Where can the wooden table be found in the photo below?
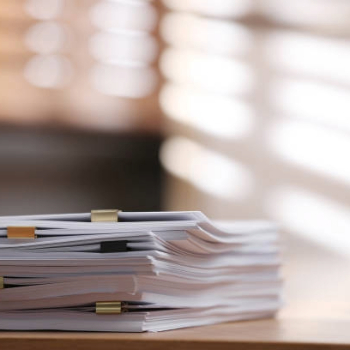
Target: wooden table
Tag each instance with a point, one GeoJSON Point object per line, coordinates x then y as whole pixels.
{"type": "Point", "coordinates": [265, 334]}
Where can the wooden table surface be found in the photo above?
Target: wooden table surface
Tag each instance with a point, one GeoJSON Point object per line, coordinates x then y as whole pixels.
{"type": "Point", "coordinates": [263, 334]}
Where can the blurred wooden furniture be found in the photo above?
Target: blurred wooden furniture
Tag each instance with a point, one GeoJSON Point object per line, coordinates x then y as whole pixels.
{"type": "Point", "coordinates": [52, 169]}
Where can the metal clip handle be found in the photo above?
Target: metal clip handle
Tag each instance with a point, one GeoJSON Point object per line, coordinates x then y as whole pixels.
{"type": "Point", "coordinates": [108, 307]}
{"type": "Point", "coordinates": [110, 215]}
{"type": "Point", "coordinates": [21, 232]}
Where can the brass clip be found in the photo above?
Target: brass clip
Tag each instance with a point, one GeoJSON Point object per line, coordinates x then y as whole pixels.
{"type": "Point", "coordinates": [108, 307]}
{"type": "Point", "coordinates": [104, 215]}
{"type": "Point", "coordinates": [21, 232]}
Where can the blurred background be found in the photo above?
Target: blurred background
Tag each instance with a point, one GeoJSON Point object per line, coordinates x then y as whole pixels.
{"type": "Point", "coordinates": [238, 108]}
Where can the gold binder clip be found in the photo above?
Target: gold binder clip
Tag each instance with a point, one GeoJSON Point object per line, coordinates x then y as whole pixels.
{"type": "Point", "coordinates": [2, 283]}
{"type": "Point", "coordinates": [108, 307]}
{"type": "Point", "coordinates": [21, 232]}
{"type": "Point", "coordinates": [104, 215]}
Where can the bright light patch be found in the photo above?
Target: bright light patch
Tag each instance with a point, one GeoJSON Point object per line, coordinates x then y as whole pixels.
{"type": "Point", "coordinates": [128, 15]}
{"type": "Point", "coordinates": [218, 8]}
{"type": "Point", "coordinates": [213, 73]}
{"type": "Point", "coordinates": [123, 48]}
{"type": "Point", "coordinates": [45, 37]}
{"type": "Point", "coordinates": [312, 216]}
{"type": "Point", "coordinates": [123, 81]}
{"type": "Point", "coordinates": [44, 9]}
{"type": "Point", "coordinates": [216, 115]}
{"type": "Point", "coordinates": [209, 171]}
{"type": "Point", "coordinates": [319, 103]}
{"type": "Point", "coordinates": [312, 56]}
{"type": "Point", "coordinates": [318, 149]}
{"type": "Point", "coordinates": [312, 13]}
{"type": "Point", "coordinates": [48, 71]}
{"type": "Point", "coordinates": [213, 35]}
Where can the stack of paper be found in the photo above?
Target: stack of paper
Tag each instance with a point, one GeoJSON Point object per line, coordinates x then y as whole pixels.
{"type": "Point", "coordinates": [133, 272]}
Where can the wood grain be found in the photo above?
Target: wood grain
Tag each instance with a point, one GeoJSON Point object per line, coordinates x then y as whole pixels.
{"type": "Point", "coordinates": [266, 334]}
